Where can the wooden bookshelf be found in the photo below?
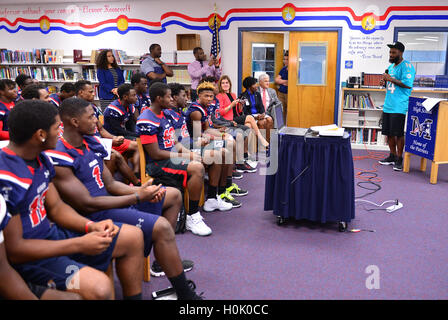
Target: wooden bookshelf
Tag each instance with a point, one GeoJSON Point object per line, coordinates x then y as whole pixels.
{"type": "Point", "coordinates": [374, 113]}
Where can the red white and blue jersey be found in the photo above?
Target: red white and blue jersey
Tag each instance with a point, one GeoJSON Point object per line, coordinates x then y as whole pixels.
{"type": "Point", "coordinates": [179, 123]}
{"type": "Point", "coordinates": [86, 163]}
{"type": "Point", "coordinates": [116, 110]}
{"type": "Point", "coordinates": [155, 128]}
{"type": "Point", "coordinates": [5, 108]}
{"type": "Point", "coordinates": [24, 189]}
{"type": "Point", "coordinates": [54, 99]}
{"type": "Point", "coordinates": [19, 95]}
{"type": "Point", "coordinates": [213, 109]}
{"type": "Point", "coordinates": [143, 102]}
{"type": "Point", "coordinates": [4, 216]}
{"type": "Point", "coordinates": [195, 106]}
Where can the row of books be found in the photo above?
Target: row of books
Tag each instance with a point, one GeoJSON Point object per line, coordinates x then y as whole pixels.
{"type": "Point", "coordinates": [40, 73]}
{"type": "Point", "coordinates": [370, 80]}
{"type": "Point", "coordinates": [34, 56]}
{"type": "Point", "coordinates": [128, 73]}
{"type": "Point", "coordinates": [89, 74]}
{"type": "Point", "coordinates": [440, 81]}
{"type": "Point", "coordinates": [351, 118]}
{"type": "Point", "coordinates": [359, 101]}
{"type": "Point", "coordinates": [366, 136]}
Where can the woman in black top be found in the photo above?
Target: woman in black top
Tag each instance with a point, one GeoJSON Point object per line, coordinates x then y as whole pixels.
{"type": "Point", "coordinates": [254, 106]}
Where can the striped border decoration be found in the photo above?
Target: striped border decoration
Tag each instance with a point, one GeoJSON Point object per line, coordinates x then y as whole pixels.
{"type": "Point", "coordinates": [288, 14]}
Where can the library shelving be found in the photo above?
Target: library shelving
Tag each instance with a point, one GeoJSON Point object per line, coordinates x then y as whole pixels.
{"type": "Point", "coordinates": [361, 111]}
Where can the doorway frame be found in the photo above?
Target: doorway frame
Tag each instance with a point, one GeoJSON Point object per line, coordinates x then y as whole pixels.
{"type": "Point", "coordinates": [338, 55]}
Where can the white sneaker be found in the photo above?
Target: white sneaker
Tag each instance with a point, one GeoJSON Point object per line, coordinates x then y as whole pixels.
{"type": "Point", "coordinates": [196, 225]}
{"type": "Point", "coordinates": [252, 163]}
{"type": "Point", "coordinates": [217, 203]}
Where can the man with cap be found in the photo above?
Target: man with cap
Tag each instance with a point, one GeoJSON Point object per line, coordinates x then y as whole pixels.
{"type": "Point", "coordinates": [398, 78]}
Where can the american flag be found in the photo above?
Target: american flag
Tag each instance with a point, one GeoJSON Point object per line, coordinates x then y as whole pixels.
{"type": "Point", "coordinates": [216, 47]}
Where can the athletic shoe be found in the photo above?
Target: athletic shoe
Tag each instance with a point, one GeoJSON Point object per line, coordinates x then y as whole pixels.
{"type": "Point", "coordinates": [252, 163]}
{"type": "Point", "coordinates": [156, 269]}
{"type": "Point", "coordinates": [217, 203]}
{"type": "Point", "coordinates": [236, 191]}
{"type": "Point", "coordinates": [237, 175]}
{"type": "Point", "coordinates": [244, 167]}
{"type": "Point", "coordinates": [398, 166]}
{"type": "Point", "coordinates": [389, 160]}
{"type": "Point", "coordinates": [196, 296]}
{"type": "Point", "coordinates": [227, 197]}
{"type": "Point", "coordinates": [197, 226]}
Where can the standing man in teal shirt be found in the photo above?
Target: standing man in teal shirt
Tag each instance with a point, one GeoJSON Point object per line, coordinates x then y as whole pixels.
{"type": "Point", "coordinates": [399, 78]}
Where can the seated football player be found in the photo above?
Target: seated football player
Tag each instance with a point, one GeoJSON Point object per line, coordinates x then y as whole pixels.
{"type": "Point", "coordinates": [22, 80]}
{"type": "Point", "coordinates": [197, 118]}
{"type": "Point", "coordinates": [119, 119]}
{"type": "Point", "coordinates": [67, 91]}
{"type": "Point", "coordinates": [168, 161]}
{"type": "Point", "coordinates": [8, 96]}
{"type": "Point", "coordinates": [140, 84]}
{"type": "Point", "coordinates": [36, 92]}
{"type": "Point", "coordinates": [87, 185]}
{"type": "Point", "coordinates": [73, 253]}
{"type": "Point", "coordinates": [12, 286]}
{"type": "Point", "coordinates": [84, 90]}
{"type": "Point", "coordinates": [238, 132]}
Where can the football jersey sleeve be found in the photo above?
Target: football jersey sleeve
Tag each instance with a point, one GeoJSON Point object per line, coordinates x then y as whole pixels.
{"type": "Point", "coordinates": [113, 111]}
{"type": "Point", "coordinates": [147, 128]}
{"type": "Point", "coordinates": [407, 74]}
{"type": "Point", "coordinates": [59, 158]}
{"type": "Point", "coordinates": [4, 216]}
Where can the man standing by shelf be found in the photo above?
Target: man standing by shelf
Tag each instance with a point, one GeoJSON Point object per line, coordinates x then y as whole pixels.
{"type": "Point", "coordinates": [154, 68]}
{"type": "Point", "coordinates": [200, 69]}
{"type": "Point", "coordinates": [399, 78]}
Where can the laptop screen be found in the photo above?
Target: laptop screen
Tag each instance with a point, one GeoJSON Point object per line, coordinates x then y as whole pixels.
{"type": "Point", "coordinates": [279, 117]}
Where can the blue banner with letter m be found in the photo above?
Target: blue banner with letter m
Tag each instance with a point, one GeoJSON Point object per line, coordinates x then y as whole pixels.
{"type": "Point", "coordinates": [421, 129]}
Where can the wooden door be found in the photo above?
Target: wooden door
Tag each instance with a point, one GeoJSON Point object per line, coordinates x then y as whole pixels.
{"type": "Point", "coordinates": [311, 102]}
{"type": "Point", "coordinates": [251, 39]}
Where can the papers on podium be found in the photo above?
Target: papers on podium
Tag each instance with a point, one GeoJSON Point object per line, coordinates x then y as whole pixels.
{"type": "Point", "coordinates": [330, 130]}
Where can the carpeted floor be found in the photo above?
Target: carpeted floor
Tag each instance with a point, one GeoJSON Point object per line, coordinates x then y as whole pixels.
{"type": "Point", "coordinates": [249, 257]}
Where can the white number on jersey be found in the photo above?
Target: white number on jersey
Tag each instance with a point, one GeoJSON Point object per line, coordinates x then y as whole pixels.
{"type": "Point", "coordinates": [390, 87]}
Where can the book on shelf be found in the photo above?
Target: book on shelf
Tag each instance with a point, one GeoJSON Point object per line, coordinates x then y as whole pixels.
{"type": "Point", "coordinates": [371, 80]}
{"type": "Point", "coordinates": [359, 101]}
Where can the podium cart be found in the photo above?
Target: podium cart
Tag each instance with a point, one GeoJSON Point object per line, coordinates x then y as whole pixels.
{"type": "Point", "coordinates": [427, 136]}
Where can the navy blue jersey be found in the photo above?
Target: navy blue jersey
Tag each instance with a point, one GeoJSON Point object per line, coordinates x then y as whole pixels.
{"type": "Point", "coordinates": [54, 99]}
{"type": "Point", "coordinates": [143, 102]}
{"type": "Point", "coordinates": [24, 189]}
{"type": "Point", "coordinates": [155, 128]}
{"type": "Point", "coordinates": [4, 217]}
{"type": "Point", "coordinates": [87, 163]}
{"type": "Point", "coordinates": [213, 110]}
{"type": "Point", "coordinates": [179, 123]}
{"type": "Point", "coordinates": [195, 106]}
{"type": "Point", "coordinates": [5, 108]}
{"type": "Point", "coordinates": [116, 110]}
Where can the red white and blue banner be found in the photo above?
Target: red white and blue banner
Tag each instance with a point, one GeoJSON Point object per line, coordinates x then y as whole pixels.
{"type": "Point", "coordinates": [49, 21]}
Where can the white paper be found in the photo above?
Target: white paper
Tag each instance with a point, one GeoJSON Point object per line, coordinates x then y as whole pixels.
{"type": "Point", "coordinates": [107, 144]}
{"type": "Point", "coordinates": [3, 143]}
{"type": "Point", "coordinates": [322, 128]}
{"type": "Point", "coordinates": [430, 103]}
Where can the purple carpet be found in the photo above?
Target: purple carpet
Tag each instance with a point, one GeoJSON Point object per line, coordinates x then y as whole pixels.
{"type": "Point", "coordinates": [249, 257]}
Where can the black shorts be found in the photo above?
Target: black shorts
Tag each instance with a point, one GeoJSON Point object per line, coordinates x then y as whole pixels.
{"type": "Point", "coordinates": [169, 172]}
{"type": "Point", "coordinates": [393, 124]}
